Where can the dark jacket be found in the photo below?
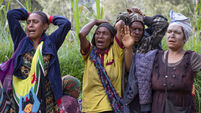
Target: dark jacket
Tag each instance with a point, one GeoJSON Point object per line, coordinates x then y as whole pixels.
{"type": "Point", "coordinates": [139, 82]}
{"type": "Point", "coordinates": [50, 46]}
{"type": "Point", "coordinates": [157, 27]}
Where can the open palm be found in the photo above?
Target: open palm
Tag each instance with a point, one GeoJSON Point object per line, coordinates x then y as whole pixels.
{"type": "Point", "coordinates": [127, 39]}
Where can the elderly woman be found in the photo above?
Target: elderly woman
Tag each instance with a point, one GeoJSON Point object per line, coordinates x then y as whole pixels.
{"type": "Point", "coordinates": [169, 80]}
{"type": "Point", "coordinates": [103, 68]}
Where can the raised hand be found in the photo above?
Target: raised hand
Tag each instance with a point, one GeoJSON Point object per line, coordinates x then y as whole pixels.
{"type": "Point", "coordinates": [135, 10]}
{"type": "Point", "coordinates": [127, 39]}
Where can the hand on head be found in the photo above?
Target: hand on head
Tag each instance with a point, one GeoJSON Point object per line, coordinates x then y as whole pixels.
{"type": "Point", "coordinates": [135, 10]}
{"type": "Point", "coordinates": [99, 21]}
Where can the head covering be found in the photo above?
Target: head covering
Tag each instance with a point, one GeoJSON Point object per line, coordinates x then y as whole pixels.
{"type": "Point", "coordinates": [135, 17]}
{"type": "Point", "coordinates": [109, 27]}
{"type": "Point", "coordinates": [123, 16]}
{"type": "Point", "coordinates": [182, 21]}
{"type": "Point", "coordinates": [130, 18]}
{"type": "Point", "coordinates": [69, 84]}
{"type": "Point", "coordinates": [69, 105]}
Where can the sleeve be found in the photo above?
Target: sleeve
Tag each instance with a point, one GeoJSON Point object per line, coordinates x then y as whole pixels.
{"type": "Point", "coordinates": [86, 54]}
{"type": "Point", "coordinates": [59, 35]}
{"type": "Point", "coordinates": [17, 32]}
{"type": "Point", "coordinates": [157, 27]}
{"type": "Point", "coordinates": [118, 47]}
{"type": "Point", "coordinates": [196, 62]}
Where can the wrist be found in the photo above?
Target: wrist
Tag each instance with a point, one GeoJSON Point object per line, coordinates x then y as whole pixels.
{"type": "Point", "coordinates": [128, 49]}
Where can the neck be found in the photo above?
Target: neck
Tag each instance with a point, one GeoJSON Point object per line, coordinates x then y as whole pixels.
{"type": "Point", "coordinates": [176, 52]}
{"type": "Point", "coordinates": [175, 56]}
{"type": "Point", "coordinates": [35, 42]}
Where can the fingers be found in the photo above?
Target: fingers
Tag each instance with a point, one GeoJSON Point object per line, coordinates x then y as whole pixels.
{"type": "Point", "coordinates": [135, 10]}
{"type": "Point", "coordinates": [129, 10]}
{"type": "Point", "coordinates": [126, 29]}
{"type": "Point", "coordinates": [132, 35]}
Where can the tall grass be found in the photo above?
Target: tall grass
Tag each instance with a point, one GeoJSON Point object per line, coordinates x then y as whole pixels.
{"type": "Point", "coordinates": [6, 48]}
{"type": "Point", "coordinates": [71, 61]}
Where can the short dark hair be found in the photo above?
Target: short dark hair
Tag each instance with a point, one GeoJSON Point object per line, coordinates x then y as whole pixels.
{"type": "Point", "coordinates": [43, 17]}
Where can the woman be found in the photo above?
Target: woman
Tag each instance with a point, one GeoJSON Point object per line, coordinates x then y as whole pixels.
{"type": "Point", "coordinates": [103, 68]}
{"type": "Point", "coordinates": [71, 92]}
{"type": "Point", "coordinates": [173, 70]}
{"type": "Point", "coordinates": [36, 65]}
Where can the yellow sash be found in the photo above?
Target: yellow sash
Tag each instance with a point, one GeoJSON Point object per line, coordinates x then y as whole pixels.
{"type": "Point", "coordinates": [22, 87]}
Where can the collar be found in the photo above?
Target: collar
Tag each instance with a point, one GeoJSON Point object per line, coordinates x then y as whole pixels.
{"type": "Point", "coordinates": [103, 52]}
{"type": "Point", "coordinates": [41, 39]}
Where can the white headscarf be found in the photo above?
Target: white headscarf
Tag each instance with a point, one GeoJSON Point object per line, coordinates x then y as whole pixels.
{"type": "Point", "coordinates": [182, 21]}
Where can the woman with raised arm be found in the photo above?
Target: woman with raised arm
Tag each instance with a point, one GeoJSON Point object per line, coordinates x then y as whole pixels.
{"type": "Point", "coordinates": [103, 59]}
{"type": "Point", "coordinates": [37, 84]}
{"type": "Point", "coordinates": [165, 78]}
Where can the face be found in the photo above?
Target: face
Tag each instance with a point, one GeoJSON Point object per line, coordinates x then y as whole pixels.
{"type": "Point", "coordinates": [35, 26]}
{"type": "Point", "coordinates": [175, 37]}
{"type": "Point", "coordinates": [136, 29]}
{"type": "Point", "coordinates": [75, 93]}
{"type": "Point", "coordinates": [103, 38]}
{"type": "Point", "coordinates": [28, 108]}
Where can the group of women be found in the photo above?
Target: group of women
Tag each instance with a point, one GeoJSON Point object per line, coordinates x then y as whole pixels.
{"type": "Point", "coordinates": [37, 83]}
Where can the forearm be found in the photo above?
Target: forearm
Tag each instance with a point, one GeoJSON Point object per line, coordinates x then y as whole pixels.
{"type": "Point", "coordinates": [157, 30]}
{"type": "Point", "coordinates": [119, 26]}
{"type": "Point", "coordinates": [128, 58]}
{"type": "Point", "coordinates": [87, 28]}
{"type": "Point", "coordinates": [64, 27]}
{"type": "Point", "coordinates": [84, 43]}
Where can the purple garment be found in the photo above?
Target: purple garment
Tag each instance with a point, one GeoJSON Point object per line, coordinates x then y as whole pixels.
{"type": "Point", "coordinates": [6, 71]}
{"type": "Point", "coordinates": [69, 105]}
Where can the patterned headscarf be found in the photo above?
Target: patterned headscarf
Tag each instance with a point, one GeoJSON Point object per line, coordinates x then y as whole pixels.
{"type": "Point", "coordinates": [182, 21]}
{"type": "Point", "coordinates": [123, 16]}
{"type": "Point", "coordinates": [135, 17]}
{"type": "Point", "coordinates": [130, 18]}
{"type": "Point", "coordinates": [69, 84]}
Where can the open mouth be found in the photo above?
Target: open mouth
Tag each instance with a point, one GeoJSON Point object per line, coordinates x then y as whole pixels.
{"type": "Point", "coordinates": [171, 41]}
{"type": "Point", "coordinates": [99, 42]}
{"type": "Point", "coordinates": [31, 31]}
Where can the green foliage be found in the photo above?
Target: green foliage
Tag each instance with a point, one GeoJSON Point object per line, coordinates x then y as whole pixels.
{"type": "Point", "coordinates": [76, 15]}
{"type": "Point", "coordinates": [6, 48]}
{"type": "Point", "coordinates": [71, 61]}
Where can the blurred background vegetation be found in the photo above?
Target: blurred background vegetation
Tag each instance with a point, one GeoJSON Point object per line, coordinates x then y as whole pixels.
{"type": "Point", "coordinates": [80, 12]}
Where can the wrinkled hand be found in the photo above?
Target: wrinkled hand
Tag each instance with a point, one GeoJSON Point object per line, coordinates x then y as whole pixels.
{"type": "Point", "coordinates": [99, 21]}
{"type": "Point", "coordinates": [127, 39]}
{"type": "Point", "coordinates": [135, 10]}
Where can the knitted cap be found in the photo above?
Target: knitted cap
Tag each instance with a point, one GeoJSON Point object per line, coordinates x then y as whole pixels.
{"type": "Point", "coordinates": [69, 84]}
